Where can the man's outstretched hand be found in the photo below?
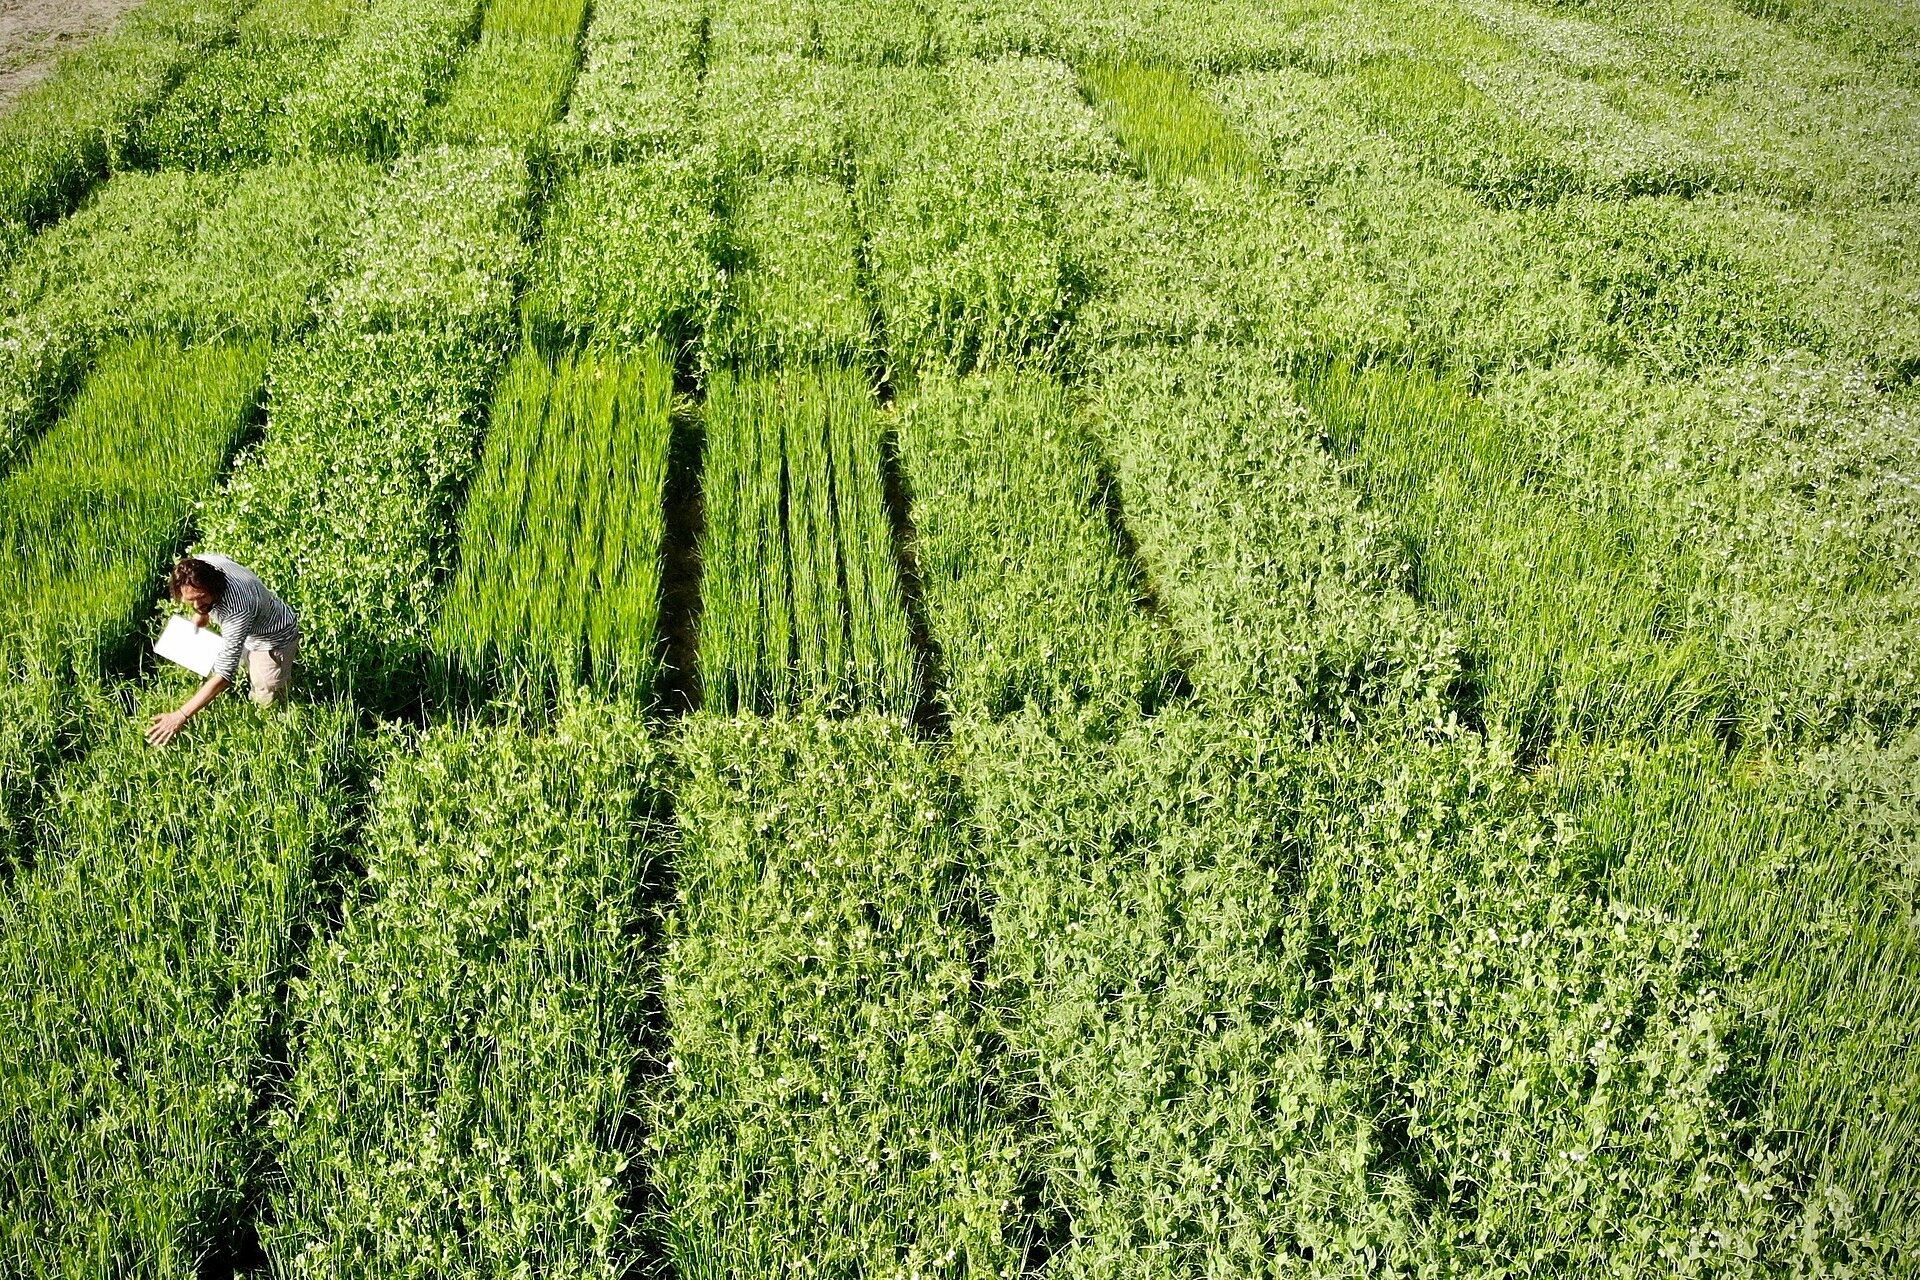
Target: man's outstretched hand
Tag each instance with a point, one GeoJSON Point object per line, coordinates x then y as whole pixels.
{"type": "Point", "coordinates": [164, 727]}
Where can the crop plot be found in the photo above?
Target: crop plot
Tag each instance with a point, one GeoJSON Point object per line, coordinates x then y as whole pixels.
{"type": "Point", "coordinates": [826, 1094]}
{"type": "Point", "coordinates": [987, 638]}
{"type": "Point", "coordinates": [801, 594]}
{"type": "Point", "coordinates": [464, 1044]}
{"type": "Point", "coordinates": [88, 524]}
{"type": "Point", "coordinates": [167, 893]}
{"type": "Point", "coordinates": [561, 540]}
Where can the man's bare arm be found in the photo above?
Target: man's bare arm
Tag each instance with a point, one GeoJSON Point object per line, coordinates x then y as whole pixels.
{"type": "Point", "coordinates": [165, 726]}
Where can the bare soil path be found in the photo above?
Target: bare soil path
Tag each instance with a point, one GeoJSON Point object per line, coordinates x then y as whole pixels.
{"type": "Point", "coordinates": [35, 32]}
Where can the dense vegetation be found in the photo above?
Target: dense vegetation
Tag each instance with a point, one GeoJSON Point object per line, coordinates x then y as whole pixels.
{"type": "Point", "coordinates": [1077, 638]}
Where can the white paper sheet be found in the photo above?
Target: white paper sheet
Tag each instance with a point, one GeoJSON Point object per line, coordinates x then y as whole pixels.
{"type": "Point", "coordinates": [194, 648]}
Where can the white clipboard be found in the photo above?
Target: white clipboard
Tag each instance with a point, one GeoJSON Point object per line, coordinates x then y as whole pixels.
{"type": "Point", "coordinates": [194, 648]}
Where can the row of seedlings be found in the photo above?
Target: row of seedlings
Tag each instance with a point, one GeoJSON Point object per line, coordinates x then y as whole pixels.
{"type": "Point", "coordinates": [828, 1103]}
{"type": "Point", "coordinates": [67, 132]}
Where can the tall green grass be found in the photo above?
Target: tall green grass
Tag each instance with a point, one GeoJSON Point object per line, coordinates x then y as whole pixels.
{"type": "Point", "coordinates": [513, 82]}
{"type": "Point", "coordinates": [141, 959]}
{"type": "Point", "coordinates": [1171, 130]}
{"type": "Point", "coordinates": [826, 1106]}
{"type": "Point", "coordinates": [563, 529]}
{"type": "Point", "coordinates": [801, 597]}
{"type": "Point", "coordinates": [465, 1043]}
{"type": "Point", "coordinates": [90, 522]}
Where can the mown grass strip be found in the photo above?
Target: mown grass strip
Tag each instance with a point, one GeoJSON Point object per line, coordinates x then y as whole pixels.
{"type": "Point", "coordinates": [563, 530]}
{"type": "Point", "coordinates": [141, 958]}
{"type": "Point", "coordinates": [465, 1043]}
{"type": "Point", "coordinates": [801, 599]}
{"type": "Point", "coordinates": [827, 1100]}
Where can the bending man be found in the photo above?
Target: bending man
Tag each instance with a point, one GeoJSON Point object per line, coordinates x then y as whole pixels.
{"type": "Point", "coordinates": [252, 620]}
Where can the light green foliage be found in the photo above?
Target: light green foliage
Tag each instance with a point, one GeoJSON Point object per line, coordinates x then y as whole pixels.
{"type": "Point", "coordinates": [639, 80]}
{"type": "Point", "coordinates": [228, 110]}
{"type": "Point", "coordinates": [197, 257]}
{"type": "Point", "coordinates": [141, 958]}
{"type": "Point", "coordinates": [1582, 622]}
{"type": "Point", "coordinates": [801, 600]}
{"type": "Point", "coordinates": [444, 246]}
{"type": "Point", "coordinates": [1569, 1071]}
{"type": "Point", "coordinates": [969, 269]}
{"type": "Point", "coordinates": [1282, 586]}
{"type": "Point", "coordinates": [375, 91]}
{"type": "Point", "coordinates": [1028, 593]}
{"type": "Point", "coordinates": [88, 523]}
{"type": "Point", "coordinates": [776, 114]}
{"type": "Point", "coordinates": [1791, 485]}
{"type": "Point", "coordinates": [561, 537]}
{"type": "Point", "coordinates": [795, 286]}
{"type": "Point", "coordinates": [1156, 975]}
{"type": "Point", "coordinates": [513, 82]}
{"type": "Point", "coordinates": [50, 703]}
{"type": "Point", "coordinates": [875, 32]}
{"type": "Point", "coordinates": [1171, 130]}
{"type": "Point", "coordinates": [465, 1041]}
{"type": "Point", "coordinates": [65, 132]}
{"type": "Point", "coordinates": [826, 1109]}
{"type": "Point", "coordinates": [629, 255]}
{"type": "Point", "coordinates": [1802, 902]}
{"type": "Point", "coordinates": [345, 508]}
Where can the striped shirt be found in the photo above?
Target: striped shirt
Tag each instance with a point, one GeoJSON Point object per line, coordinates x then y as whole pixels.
{"type": "Point", "coordinates": [250, 616]}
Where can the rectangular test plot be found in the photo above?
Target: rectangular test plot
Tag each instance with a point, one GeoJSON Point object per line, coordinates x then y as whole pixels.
{"type": "Point", "coordinates": [87, 524]}
{"type": "Point", "coordinates": [560, 546]}
{"type": "Point", "coordinates": [801, 600]}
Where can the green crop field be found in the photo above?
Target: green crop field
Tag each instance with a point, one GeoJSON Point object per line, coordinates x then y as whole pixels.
{"type": "Point", "coordinates": [1022, 639]}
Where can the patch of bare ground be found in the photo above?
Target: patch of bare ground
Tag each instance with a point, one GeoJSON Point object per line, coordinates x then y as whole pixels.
{"type": "Point", "coordinates": [34, 33]}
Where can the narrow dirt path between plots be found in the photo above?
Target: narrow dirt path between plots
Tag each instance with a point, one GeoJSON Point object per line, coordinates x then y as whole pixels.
{"type": "Point", "coordinates": [35, 32]}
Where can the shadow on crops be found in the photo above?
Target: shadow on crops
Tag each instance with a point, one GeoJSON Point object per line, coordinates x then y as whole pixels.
{"type": "Point", "coordinates": [930, 710]}
{"type": "Point", "coordinates": [678, 689]}
{"type": "Point", "coordinates": [641, 1201]}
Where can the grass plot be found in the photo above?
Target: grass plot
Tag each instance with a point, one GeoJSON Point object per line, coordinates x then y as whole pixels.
{"type": "Point", "coordinates": [801, 600]}
{"type": "Point", "coordinates": [140, 963]}
{"type": "Point", "coordinates": [560, 541]}
{"type": "Point", "coordinates": [88, 524]}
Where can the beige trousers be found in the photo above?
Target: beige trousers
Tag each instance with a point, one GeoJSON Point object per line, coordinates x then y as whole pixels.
{"type": "Point", "coordinates": [270, 673]}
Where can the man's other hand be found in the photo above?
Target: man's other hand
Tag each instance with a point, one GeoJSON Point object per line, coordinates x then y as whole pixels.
{"type": "Point", "coordinates": [164, 727]}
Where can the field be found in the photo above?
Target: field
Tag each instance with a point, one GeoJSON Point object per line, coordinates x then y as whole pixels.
{"type": "Point", "coordinates": [1037, 639]}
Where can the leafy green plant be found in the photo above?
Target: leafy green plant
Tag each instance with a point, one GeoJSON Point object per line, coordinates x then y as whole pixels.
{"type": "Point", "coordinates": [1283, 586]}
{"type": "Point", "coordinates": [777, 114]}
{"type": "Point", "coordinates": [639, 81]}
{"type": "Point", "coordinates": [801, 599]}
{"type": "Point", "coordinates": [514, 80]}
{"type": "Point", "coordinates": [629, 255]}
{"type": "Point", "coordinates": [563, 529]}
{"type": "Point", "coordinates": [141, 956]}
{"type": "Point", "coordinates": [374, 94]}
{"type": "Point", "coordinates": [1028, 591]}
{"type": "Point", "coordinates": [794, 289]}
{"type": "Point", "coordinates": [465, 1042]}
{"type": "Point", "coordinates": [826, 1105]}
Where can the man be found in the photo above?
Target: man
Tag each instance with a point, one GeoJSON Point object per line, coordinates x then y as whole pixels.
{"type": "Point", "coordinates": [252, 620]}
